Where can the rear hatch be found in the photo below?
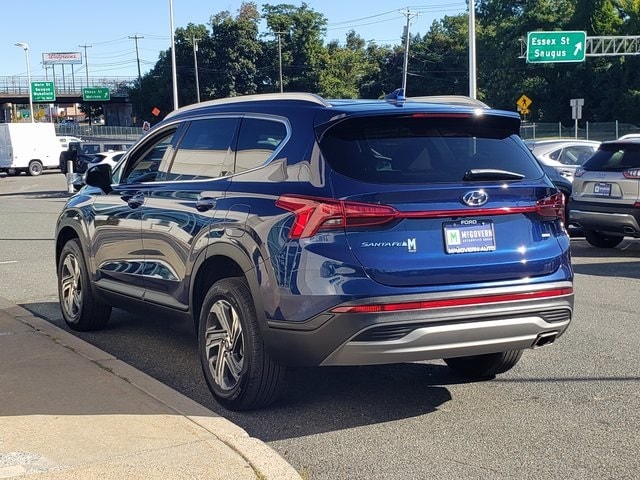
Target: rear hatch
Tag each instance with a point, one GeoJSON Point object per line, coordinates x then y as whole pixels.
{"type": "Point", "coordinates": [611, 175]}
{"type": "Point", "coordinates": [444, 199]}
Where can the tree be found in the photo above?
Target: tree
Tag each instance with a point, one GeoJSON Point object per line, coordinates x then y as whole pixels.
{"type": "Point", "coordinates": [236, 49]}
{"type": "Point", "coordinates": [302, 31]}
{"type": "Point", "coordinates": [438, 61]}
{"type": "Point", "coordinates": [342, 69]}
{"type": "Point", "coordinates": [91, 110]}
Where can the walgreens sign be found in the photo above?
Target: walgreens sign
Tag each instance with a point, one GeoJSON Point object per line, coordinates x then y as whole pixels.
{"type": "Point", "coordinates": [62, 58]}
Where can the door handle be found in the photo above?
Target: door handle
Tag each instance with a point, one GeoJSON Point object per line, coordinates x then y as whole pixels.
{"type": "Point", "coordinates": [205, 204]}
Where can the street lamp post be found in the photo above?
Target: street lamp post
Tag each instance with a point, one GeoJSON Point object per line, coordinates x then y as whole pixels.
{"type": "Point", "coordinates": [25, 47]}
{"type": "Point", "coordinates": [195, 65]}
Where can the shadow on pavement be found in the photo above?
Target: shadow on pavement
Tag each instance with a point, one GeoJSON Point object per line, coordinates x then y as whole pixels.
{"type": "Point", "coordinates": [315, 400]}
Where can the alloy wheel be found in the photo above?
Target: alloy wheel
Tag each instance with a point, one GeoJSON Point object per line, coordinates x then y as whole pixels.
{"type": "Point", "coordinates": [224, 345]}
{"type": "Point", "coordinates": [71, 286]}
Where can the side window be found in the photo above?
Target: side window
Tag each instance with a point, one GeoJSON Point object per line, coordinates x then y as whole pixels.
{"type": "Point", "coordinates": [206, 150]}
{"type": "Point", "coordinates": [258, 139]}
{"type": "Point", "coordinates": [143, 165]}
{"type": "Point", "coordinates": [555, 155]}
{"type": "Point", "coordinates": [576, 155]}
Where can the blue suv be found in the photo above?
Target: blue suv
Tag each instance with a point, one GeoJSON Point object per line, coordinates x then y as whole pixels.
{"type": "Point", "coordinates": [299, 231]}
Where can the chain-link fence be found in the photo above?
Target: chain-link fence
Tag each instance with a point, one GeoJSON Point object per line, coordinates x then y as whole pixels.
{"type": "Point", "coordinates": [600, 131]}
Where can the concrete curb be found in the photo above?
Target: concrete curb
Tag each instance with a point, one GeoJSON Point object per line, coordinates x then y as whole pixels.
{"type": "Point", "coordinates": [263, 459]}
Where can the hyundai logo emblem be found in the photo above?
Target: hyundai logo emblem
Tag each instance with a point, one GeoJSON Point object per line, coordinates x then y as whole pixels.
{"type": "Point", "coordinates": [475, 198]}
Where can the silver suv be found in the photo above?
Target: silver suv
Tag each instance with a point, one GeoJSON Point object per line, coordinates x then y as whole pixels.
{"type": "Point", "coordinates": [606, 194]}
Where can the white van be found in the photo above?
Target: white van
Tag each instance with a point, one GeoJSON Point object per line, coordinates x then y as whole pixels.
{"type": "Point", "coordinates": [28, 147]}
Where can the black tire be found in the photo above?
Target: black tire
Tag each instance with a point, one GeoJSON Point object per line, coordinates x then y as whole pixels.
{"type": "Point", "coordinates": [484, 366]}
{"type": "Point", "coordinates": [80, 309]}
{"type": "Point", "coordinates": [236, 365]}
{"type": "Point", "coordinates": [35, 168]}
{"type": "Point", "coordinates": [602, 240]}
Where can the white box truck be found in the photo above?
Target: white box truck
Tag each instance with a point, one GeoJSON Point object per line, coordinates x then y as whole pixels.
{"type": "Point", "coordinates": [28, 147]}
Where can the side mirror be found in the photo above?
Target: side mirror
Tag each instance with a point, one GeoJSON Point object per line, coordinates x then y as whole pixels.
{"type": "Point", "coordinates": [100, 176]}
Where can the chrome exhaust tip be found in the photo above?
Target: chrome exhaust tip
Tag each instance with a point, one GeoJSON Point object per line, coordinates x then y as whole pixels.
{"type": "Point", "coordinates": [544, 339]}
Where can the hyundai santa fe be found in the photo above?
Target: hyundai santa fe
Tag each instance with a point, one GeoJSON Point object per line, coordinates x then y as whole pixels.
{"type": "Point", "coordinates": [299, 231]}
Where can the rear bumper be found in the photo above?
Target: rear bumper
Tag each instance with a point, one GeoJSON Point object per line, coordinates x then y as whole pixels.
{"type": "Point", "coordinates": [426, 334]}
{"type": "Point", "coordinates": [609, 219]}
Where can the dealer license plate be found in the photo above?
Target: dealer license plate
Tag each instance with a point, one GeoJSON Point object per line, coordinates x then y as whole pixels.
{"type": "Point", "coordinates": [469, 236]}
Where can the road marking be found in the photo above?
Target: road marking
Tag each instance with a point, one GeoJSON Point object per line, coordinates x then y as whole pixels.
{"type": "Point", "coordinates": [8, 261]}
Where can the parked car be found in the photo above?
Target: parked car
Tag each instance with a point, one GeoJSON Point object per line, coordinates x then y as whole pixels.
{"type": "Point", "coordinates": [630, 136]}
{"type": "Point", "coordinates": [565, 155]}
{"type": "Point", "coordinates": [606, 194]}
{"type": "Point", "coordinates": [65, 139]}
{"type": "Point", "coordinates": [69, 122]}
{"type": "Point", "coordinates": [563, 184]}
{"type": "Point", "coordinates": [294, 230]}
{"type": "Point", "coordinates": [112, 157]}
{"type": "Point", "coordinates": [85, 161]}
{"type": "Point", "coordinates": [82, 153]}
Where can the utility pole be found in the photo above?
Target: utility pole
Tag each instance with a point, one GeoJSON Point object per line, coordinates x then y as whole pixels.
{"type": "Point", "coordinates": [136, 37]}
{"type": "Point", "coordinates": [280, 57]}
{"type": "Point", "coordinates": [195, 65]}
{"type": "Point", "coordinates": [174, 73]}
{"type": "Point", "coordinates": [409, 16]}
{"type": "Point", "coordinates": [86, 62]}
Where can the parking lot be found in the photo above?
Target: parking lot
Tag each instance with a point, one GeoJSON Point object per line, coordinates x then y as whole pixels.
{"type": "Point", "coordinates": [571, 410]}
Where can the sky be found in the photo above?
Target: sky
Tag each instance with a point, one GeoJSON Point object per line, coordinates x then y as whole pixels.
{"type": "Point", "coordinates": [51, 26]}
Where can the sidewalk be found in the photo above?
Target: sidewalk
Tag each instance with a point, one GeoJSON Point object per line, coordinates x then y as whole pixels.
{"type": "Point", "coordinates": [71, 411]}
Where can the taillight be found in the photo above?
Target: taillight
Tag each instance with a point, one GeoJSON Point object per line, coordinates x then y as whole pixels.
{"type": "Point", "coordinates": [632, 173]}
{"type": "Point", "coordinates": [313, 214]}
{"type": "Point", "coordinates": [552, 207]}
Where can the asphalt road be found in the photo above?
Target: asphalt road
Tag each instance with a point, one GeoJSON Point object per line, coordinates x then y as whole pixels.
{"type": "Point", "coordinates": [567, 411]}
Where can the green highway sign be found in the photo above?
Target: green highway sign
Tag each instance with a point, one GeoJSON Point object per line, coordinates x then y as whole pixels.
{"type": "Point", "coordinates": [43, 92]}
{"type": "Point", "coordinates": [553, 47]}
{"type": "Point", "coordinates": [96, 94]}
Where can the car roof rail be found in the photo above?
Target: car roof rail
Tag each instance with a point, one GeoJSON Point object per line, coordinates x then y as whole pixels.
{"type": "Point", "coordinates": [263, 97]}
{"type": "Point", "coordinates": [450, 100]}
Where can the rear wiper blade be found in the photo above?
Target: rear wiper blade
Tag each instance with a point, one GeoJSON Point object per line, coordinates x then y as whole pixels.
{"type": "Point", "coordinates": [491, 174]}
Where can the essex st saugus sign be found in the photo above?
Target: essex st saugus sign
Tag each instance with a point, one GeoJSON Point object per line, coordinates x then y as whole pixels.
{"type": "Point", "coordinates": [551, 47]}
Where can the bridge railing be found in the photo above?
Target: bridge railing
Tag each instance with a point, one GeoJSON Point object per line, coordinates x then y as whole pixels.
{"type": "Point", "coordinates": [18, 85]}
{"type": "Point", "coordinates": [101, 131]}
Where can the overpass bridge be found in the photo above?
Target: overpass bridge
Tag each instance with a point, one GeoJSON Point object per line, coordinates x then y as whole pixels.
{"type": "Point", "coordinates": [14, 90]}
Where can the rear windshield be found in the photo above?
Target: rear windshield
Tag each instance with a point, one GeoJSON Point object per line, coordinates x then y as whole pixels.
{"type": "Point", "coordinates": [419, 149]}
{"type": "Point", "coordinates": [615, 157]}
